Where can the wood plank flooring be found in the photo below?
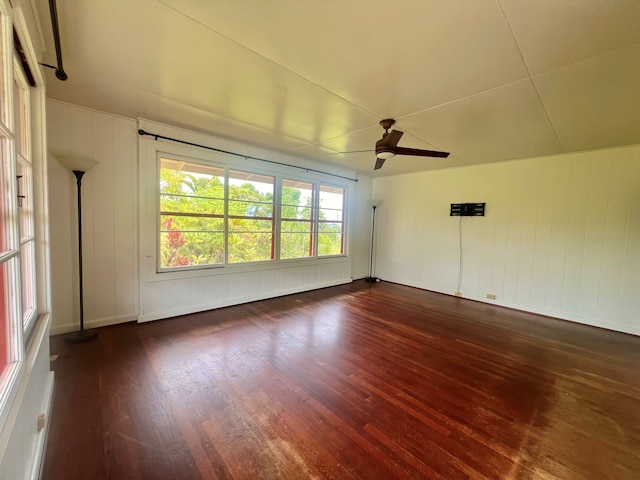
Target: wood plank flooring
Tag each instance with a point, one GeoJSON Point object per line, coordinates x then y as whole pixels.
{"type": "Point", "coordinates": [362, 381]}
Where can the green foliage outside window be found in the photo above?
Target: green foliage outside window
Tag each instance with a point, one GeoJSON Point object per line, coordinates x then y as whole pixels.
{"type": "Point", "coordinates": [191, 219]}
{"type": "Point", "coordinates": [296, 225]}
{"type": "Point", "coordinates": [192, 229]}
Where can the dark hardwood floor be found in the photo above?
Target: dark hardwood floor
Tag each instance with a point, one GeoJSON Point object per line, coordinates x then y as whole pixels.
{"type": "Point", "coordinates": [362, 381]}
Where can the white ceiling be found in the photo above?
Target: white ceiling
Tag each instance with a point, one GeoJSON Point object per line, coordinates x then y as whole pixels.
{"type": "Point", "coordinates": [487, 80]}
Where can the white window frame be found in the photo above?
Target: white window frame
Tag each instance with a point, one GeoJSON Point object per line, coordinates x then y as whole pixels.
{"type": "Point", "coordinates": [190, 154]}
{"type": "Point", "coordinates": [342, 222]}
{"type": "Point", "coordinates": [26, 191]}
{"type": "Point", "coordinates": [10, 377]}
{"type": "Point", "coordinates": [315, 218]}
{"type": "Point", "coordinates": [227, 214]}
{"type": "Point", "coordinates": [159, 267]}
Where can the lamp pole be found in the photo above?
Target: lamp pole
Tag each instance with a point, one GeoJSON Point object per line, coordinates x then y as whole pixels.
{"type": "Point", "coordinates": [79, 166]}
{"type": "Point", "coordinates": [371, 278]}
{"type": "Point", "coordinates": [81, 335]}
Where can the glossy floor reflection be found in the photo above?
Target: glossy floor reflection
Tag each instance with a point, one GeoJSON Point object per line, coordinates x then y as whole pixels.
{"type": "Point", "coordinates": [362, 381]}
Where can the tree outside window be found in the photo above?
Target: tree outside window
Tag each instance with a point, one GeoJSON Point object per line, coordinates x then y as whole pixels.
{"type": "Point", "coordinates": [208, 218]}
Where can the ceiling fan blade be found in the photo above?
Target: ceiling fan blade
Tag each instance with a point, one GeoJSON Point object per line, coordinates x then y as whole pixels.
{"type": "Point", "coordinates": [419, 153]}
{"type": "Point", "coordinates": [379, 163]}
{"type": "Point", "coordinates": [392, 139]}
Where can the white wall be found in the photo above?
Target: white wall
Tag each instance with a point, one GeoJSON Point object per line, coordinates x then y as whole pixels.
{"type": "Point", "coordinates": [109, 204]}
{"type": "Point", "coordinates": [561, 235]}
{"type": "Point", "coordinates": [360, 228]}
{"type": "Point", "coordinates": [175, 293]}
{"type": "Point", "coordinates": [116, 288]}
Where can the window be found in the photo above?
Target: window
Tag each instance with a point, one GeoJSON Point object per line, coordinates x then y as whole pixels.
{"type": "Point", "coordinates": [304, 224]}
{"type": "Point", "coordinates": [191, 214]}
{"type": "Point", "coordinates": [330, 221]}
{"type": "Point", "coordinates": [18, 307]}
{"type": "Point", "coordinates": [250, 217]}
{"type": "Point", "coordinates": [297, 219]}
{"type": "Point", "coordinates": [21, 157]}
{"type": "Point", "coordinates": [210, 215]}
{"type": "Point", "coordinates": [24, 189]}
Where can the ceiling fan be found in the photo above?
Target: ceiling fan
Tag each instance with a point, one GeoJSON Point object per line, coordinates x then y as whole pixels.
{"type": "Point", "coordinates": [387, 146]}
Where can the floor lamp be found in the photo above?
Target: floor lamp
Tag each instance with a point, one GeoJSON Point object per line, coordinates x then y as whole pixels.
{"type": "Point", "coordinates": [371, 278]}
{"type": "Point", "coordinates": [79, 166]}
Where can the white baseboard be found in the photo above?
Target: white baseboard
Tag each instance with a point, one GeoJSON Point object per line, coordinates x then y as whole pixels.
{"type": "Point", "coordinates": [101, 322]}
{"type": "Point", "coordinates": [236, 301]}
{"type": "Point", "coordinates": [592, 322]}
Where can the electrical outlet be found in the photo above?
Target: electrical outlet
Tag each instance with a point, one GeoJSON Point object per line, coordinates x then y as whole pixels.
{"type": "Point", "coordinates": [457, 294]}
{"type": "Point", "coordinates": [41, 419]}
{"type": "Point", "coordinates": [491, 296]}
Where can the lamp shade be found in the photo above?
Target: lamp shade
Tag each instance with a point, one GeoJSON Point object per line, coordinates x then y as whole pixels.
{"type": "Point", "coordinates": [77, 164]}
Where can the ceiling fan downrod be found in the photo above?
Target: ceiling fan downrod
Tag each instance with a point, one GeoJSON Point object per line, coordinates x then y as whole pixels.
{"type": "Point", "coordinates": [387, 123]}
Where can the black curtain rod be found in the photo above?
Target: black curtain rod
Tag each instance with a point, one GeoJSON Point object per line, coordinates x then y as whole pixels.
{"type": "Point", "coordinates": [156, 136]}
{"type": "Point", "coordinates": [60, 73]}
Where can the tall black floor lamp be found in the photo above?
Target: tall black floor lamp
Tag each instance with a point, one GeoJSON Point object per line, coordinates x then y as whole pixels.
{"type": "Point", "coordinates": [79, 166]}
{"type": "Point", "coordinates": [371, 278]}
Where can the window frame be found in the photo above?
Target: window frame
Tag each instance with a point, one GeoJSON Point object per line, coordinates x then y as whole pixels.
{"type": "Point", "coordinates": [19, 326]}
{"type": "Point", "coordinates": [342, 221]}
{"type": "Point", "coordinates": [159, 267]}
{"type": "Point", "coordinates": [312, 221]}
{"type": "Point", "coordinates": [278, 175]}
{"type": "Point", "coordinates": [272, 219]}
{"type": "Point", "coordinates": [24, 188]}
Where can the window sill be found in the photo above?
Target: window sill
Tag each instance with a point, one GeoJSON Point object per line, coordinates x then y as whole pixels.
{"type": "Point", "coordinates": [235, 268]}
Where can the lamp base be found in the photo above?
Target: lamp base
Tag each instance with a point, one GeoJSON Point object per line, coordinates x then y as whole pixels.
{"type": "Point", "coordinates": [81, 336]}
{"type": "Point", "coordinates": [371, 279]}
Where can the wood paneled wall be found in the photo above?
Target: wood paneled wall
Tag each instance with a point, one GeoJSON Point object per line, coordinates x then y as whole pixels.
{"type": "Point", "coordinates": [561, 235]}
{"type": "Point", "coordinates": [120, 288]}
{"type": "Point", "coordinates": [109, 207]}
{"type": "Point", "coordinates": [176, 293]}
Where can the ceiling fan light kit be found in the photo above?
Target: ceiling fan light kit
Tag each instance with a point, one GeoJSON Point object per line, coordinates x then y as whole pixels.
{"type": "Point", "coordinates": [385, 155]}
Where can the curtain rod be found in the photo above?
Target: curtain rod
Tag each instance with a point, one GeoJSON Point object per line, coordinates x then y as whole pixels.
{"type": "Point", "coordinates": [60, 73]}
{"type": "Point", "coordinates": [156, 136]}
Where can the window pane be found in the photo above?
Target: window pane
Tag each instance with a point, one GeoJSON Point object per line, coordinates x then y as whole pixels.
{"type": "Point", "coordinates": [20, 118]}
{"type": "Point", "coordinates": [331, 221]}
{"type": "Point", "coordinates": [183, 249]}
{"type": "Point", "coordinates": [186, 223]}
{"type": "Point", "coordinates": [296, 226]}
{"type": "Point", "coordinates": [5, 225]}
{"type": "Point", "coordinates": [250, 208]}
{"type": "Point", "coordinates": [5, 114]}
{"type": "Point", "coordinates": [250, 217]}
{"type": "Point", "coordinates": [4, 323]}
{"type": "Point", "coordinates": [250, 247]}
{"type": "Point", "coordinates": [331, 203]}
{"type": "Point", "coordinates": [330, 243]}
{"type": "Point", "coordinates": [170, 203]}
{"type": "Point", "coordinates": [297, 200]}
{"type": "Point", "coordinates": [290, 212]}
{"type": "Point", "coordinates": [246, 225]}
{"type": "Point", "coordinates": [25, 208]}
{"type": "Point", "coordinates": [27, 266]}
{"type": "Point", "coordinates": [191, 214]}
{"type": "Point", "coordinates": [296, 245]}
